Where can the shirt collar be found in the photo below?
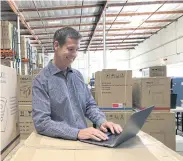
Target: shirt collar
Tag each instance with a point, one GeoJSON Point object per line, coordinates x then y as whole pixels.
{"type": "Point", "coordinates": [54, 70]}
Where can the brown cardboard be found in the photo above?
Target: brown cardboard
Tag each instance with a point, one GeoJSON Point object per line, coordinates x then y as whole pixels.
{"type": "Point", "coordinates": [113, 87]}
{"type": "Point", "coordinates": [152, 91]}
{"type": "Point", "coordinates": [24, 136]}
{"type": "Point", "coordinates": [114, 95]}
{"type": "Point", "coordinates": [159, 125]}
{"type": "Point", "coordinates": [118, 117]}
{"type": "Point", "coordinates": [140, 148]}
{"type": "Point", "coordinates": [113, 77]}
{"type": "Point", "coordinates": [25, 89]}
{"type": "Point", "coordinates": [25, 119]}
{"type": "Point", "coordinates": [162, 127]}
{"type": "Point", "coordinates": [40, 141]}
{"type": "Point", "coordinates": [109, 70]}
{"type": "Point", "coordinates": [10, 133]}
{"type": "Point", "coordinates": [156, 71]}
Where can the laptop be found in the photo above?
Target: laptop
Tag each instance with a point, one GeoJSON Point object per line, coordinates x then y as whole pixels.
{"type": "Point", "coordinates": [131, 129]}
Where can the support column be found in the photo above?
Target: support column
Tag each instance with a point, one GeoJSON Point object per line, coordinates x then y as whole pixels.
{"type": "Point", "coordinates": [19, 60]}
{"type": "Point", "coordinates": [104, 41]}
{"type": "Point", "coordinates": [89, 71]}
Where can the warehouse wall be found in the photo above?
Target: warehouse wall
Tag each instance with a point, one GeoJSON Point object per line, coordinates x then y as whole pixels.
{"type": "Point", "coordinates": [164, 45]}
{"type": "Point", "coordinates": [115, 59]}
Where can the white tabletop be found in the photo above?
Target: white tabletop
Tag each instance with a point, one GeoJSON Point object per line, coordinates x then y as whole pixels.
{"type": "Point", "coordinates": [177, 109]}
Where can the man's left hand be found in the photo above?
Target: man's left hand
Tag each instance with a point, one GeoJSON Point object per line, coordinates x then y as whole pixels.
{"type": "Point", "coordinates": [114, 128]}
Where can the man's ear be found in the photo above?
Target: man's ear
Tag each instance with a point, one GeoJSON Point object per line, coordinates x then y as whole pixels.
{"type": "Point", "coordinates": [55, 45]}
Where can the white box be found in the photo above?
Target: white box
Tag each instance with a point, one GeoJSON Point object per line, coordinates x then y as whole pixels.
{"type": "Point", "coordinates": [10, 133]}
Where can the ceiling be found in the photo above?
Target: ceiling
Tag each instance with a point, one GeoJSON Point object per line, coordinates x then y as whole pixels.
{"type": "Point", "coordinates": [128, 22]}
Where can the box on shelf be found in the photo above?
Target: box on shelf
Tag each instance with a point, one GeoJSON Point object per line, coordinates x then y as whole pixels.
{"type": "Point", "coordinates": [24, 47]}
{"type": "Point", "coordinates": [25, 89]}
{"type": "Point", "coordinates": [152, 91]}
{"type": "Point", "coordinates": [24, 68]}
{"type": "Point", "coordinates": [7, 63]}
{"type": "Point", "coordinates": [113, 87]}
{"type": "Point", "coordinates": [156, 71]}
{"type": "Point", "coordinates": [10, 133]}
{"type": "Point", "coordinates": [7, 30]}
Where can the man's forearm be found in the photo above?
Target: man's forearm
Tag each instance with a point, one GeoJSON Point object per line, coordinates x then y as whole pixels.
{"type": "Point", "coordinates": [95, 115]}
{"type": "Point", "coordinates": [56, 129]}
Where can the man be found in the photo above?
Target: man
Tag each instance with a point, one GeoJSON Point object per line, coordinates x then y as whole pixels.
{"type": "Point", "coordinates": [61, 99]}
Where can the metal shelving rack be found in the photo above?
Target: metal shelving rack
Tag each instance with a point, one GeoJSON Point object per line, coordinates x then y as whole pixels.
{"type": "Point", "coordinates": [29, 56]}
{"type": "Point", "coordinates": [11, 54]}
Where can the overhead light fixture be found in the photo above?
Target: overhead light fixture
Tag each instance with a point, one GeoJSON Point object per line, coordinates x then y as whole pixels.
{"type": "Point", "coordinates": [53, 22]}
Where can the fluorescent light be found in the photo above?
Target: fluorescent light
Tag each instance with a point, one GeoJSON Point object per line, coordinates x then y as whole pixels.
{"type": "Point", "coordinates": [53, 22]}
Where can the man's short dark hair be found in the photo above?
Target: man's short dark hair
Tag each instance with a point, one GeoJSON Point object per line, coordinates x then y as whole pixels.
{"type": "Point", "coordinates": [62, 34]}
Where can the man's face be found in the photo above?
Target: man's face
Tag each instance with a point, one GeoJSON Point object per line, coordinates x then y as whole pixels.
{"type": "Point", "coordinates": [67, 53]}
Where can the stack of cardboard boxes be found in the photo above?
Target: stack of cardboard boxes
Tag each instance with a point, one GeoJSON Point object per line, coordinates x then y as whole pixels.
{"type": "Point", "coordinates": [113, 89]}
{"type": "Point", "coordinates": [25, 105]}
{"type": "Point", "coordinates": [154, 89]}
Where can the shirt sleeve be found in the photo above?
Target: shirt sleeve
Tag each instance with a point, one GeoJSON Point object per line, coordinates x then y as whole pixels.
{"type": "Point", "coordinates": [93, 112]}
{"type": "Point", "coordinates": [41, 115]}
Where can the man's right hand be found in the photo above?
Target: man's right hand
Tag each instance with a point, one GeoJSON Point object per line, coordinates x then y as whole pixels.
{"type": "Point", "coordinates": [92, 133]}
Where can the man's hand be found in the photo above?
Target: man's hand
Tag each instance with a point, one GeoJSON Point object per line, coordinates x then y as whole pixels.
{"type": "Point", "coordinates": [92, 133]}
{"type": "Point", "coordinates": [114, 128]}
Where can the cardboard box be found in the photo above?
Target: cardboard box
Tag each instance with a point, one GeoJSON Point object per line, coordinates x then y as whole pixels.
{"type": "Point", "coordinates": [6, 44]}
{"type": "Point", "coordinates": [118, 117]}
{"type": "Point", "coordinates": [113, 87]}
{"type": "Point", "coordinates": [24, 68]}
{"type": "Point", "coordinates": [113, 77]}
{"type": "Point", "coordinates": [156, 71]}
{"type": "Point", "coordinates": [24, 136]}
{"type": "Point", "coordinates": [25, 119]}
{"type": "Point", "coordinates": [6, 62]}
{"type": "Point", "coordinates": [162, 127]}
{"type": "Point", "coordinates": [10, 133]}
{"type": "Point", "coordinates": [140, 148]}
{"type": "Point", "coordinates": [25, 89]}
{"type": "Point", "coordinates": [159, 125]}
{"type": "Point", "coordinates": [7, 30]}
{"type": "Point", "coordinates": [152, 91]}
{"type": "Point", "coordinates": [24, 47]}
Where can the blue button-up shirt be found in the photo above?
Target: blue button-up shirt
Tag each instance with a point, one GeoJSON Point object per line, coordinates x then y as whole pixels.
{"type": "Point", "coordinates": [62, 102]}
